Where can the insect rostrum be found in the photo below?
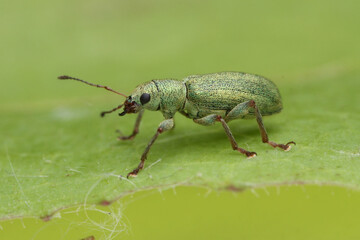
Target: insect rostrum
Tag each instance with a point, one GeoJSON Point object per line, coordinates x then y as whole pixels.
{"type": "Point", "coordinates": [206, 99]}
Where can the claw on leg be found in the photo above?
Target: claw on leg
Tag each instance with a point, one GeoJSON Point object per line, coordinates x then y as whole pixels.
{"type": "Point", "coordinates": [234, 145]}
{"type": "Point", "coordinates": [245, 152]}
{"type": "Point", "coordinates": [135, 131]}
{"type": "Point", "coordinates": [123, 137]}
{"type": "Point", "coordinates": [251, 154]}
{"type": "Point", "coordinates": [264, 136]}
{"type": "Point", "coordinates": [285, 147]}
{"type": "Point", "coordinates": [134, 172]}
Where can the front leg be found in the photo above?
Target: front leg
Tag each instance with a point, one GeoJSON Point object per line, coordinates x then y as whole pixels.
{"type": "Point", "coordinates": [136, 128]}
{"type": "Point", "coordinates": [165, 125]}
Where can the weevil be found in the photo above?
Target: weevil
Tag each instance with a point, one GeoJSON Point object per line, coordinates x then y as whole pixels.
{"type": "Point", "coordinates": [206, 99]}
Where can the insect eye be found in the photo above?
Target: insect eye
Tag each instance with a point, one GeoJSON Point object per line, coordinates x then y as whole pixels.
{"type": "Point", "coordinates": [144, 98]}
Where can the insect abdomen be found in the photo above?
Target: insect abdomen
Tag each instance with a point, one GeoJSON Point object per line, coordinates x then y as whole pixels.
{"type": "Point", "coordinates": [225, 90]}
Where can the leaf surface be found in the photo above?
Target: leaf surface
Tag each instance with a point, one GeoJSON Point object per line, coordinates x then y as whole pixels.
{"type": "Point", "coordinates": [57, 152]}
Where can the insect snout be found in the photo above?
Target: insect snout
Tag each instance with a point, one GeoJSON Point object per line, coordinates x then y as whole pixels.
{"type": "Point", "coordinates": [129, 107]}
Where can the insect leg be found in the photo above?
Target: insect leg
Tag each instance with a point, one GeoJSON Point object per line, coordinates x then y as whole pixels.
{"type": "Point", "coordinates": [239, 111]}
{"type": "Point", "coordinates": [263, 132]}
{"type": "Point", "coordinates": [232, 139]}
{"type": "Point", "coordinates": [136, 128]}
{"type": "Point", "coordinates": [165, 125]}
{"type": "Point", "coordinates": [211, 119]}
{"type": "Point", "coordinates": [207, 120]}
{"type": "Point", "coordinates": [242, 109]}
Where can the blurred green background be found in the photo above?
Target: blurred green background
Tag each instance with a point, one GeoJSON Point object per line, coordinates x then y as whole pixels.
{"type": "Point", "coordinates": [125, 43]}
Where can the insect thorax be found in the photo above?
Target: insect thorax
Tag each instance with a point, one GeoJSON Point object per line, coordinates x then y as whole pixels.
{"type": "Point", "coordinates": [172, 96]}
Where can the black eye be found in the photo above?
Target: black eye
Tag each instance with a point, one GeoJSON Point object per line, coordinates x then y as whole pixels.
{"type": "Point", "coordinates": [144, 98]}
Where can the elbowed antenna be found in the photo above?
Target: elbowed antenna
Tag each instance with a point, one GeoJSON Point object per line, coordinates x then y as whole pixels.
{"type": "Point", "coordinates": [64, 77]}
{"type": "Point", "coordinates": [102, 114]}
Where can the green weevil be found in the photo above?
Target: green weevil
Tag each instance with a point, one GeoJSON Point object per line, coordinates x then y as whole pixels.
{"type": "Point", "coordinates": [206, 99]}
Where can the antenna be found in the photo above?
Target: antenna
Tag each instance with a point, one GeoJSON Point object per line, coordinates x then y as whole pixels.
{"type": "Point", "coordinates": [64, 77]}
{"type": "Point", "coordinates": [102, 114]}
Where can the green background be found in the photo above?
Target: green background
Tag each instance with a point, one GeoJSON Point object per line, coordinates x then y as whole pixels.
{"type": "Point", "coordinates": [309, 48]}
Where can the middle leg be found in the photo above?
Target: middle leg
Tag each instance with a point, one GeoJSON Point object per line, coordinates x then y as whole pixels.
{"type": "Point", "coordinates": [211, 119]}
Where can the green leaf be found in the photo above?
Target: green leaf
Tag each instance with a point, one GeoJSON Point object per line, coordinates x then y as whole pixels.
{"type": "Point", "coordinates": [57, 152]}
{"type": "Point", "coordinates": [67, 155]}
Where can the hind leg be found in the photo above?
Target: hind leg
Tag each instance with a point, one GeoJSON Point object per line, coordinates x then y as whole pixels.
{"type": "Point", "coordinates": [242, 110]}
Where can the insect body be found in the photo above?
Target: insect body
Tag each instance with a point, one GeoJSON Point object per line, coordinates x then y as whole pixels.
{"type": "Point", "coordinates": [217, 97]}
